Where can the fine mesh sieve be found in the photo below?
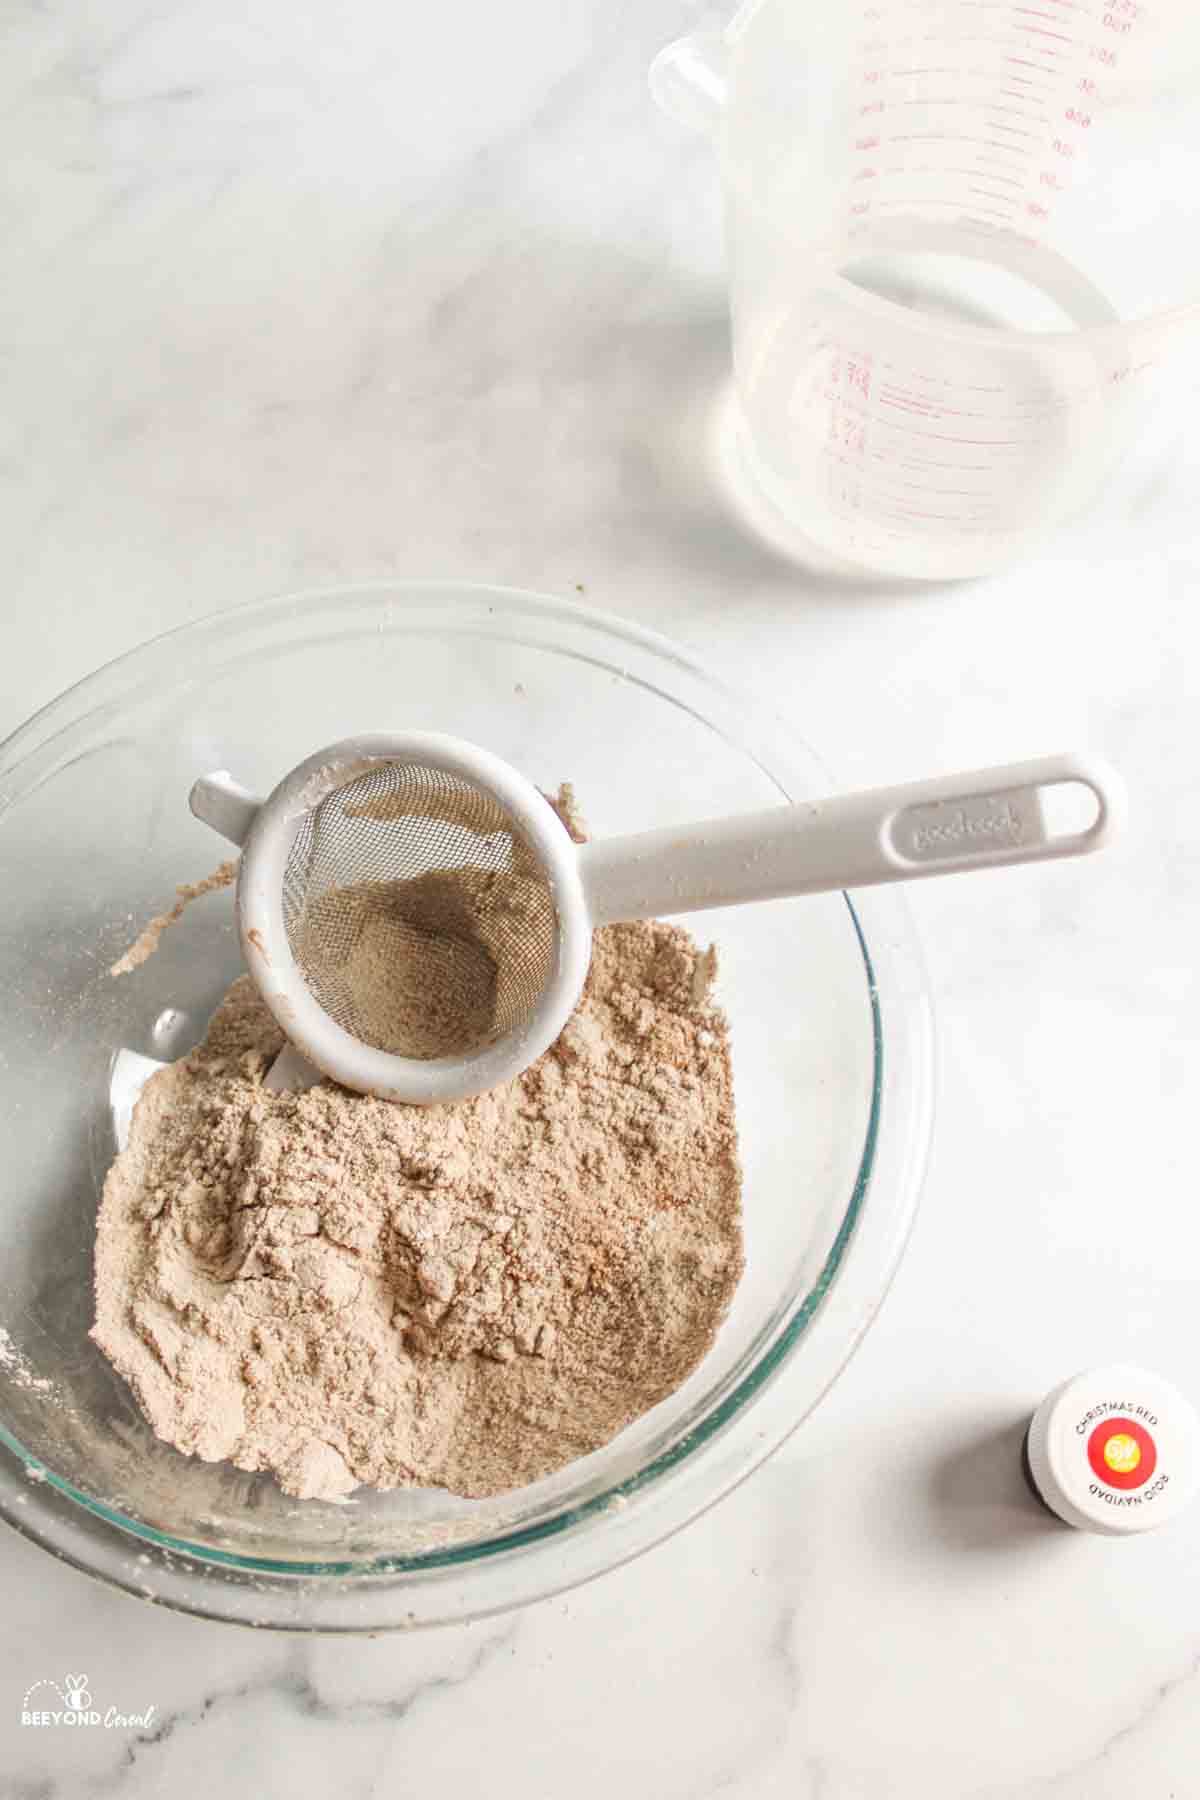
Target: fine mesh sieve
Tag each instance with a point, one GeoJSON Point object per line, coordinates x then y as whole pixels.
{"type": "Point", "coordinates": [419, 921]}
{"type": "Point", "coordinates": [417, 912]}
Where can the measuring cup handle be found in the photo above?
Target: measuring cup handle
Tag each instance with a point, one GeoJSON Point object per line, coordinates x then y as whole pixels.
{"type": "Point", "coordinates": [689, 79]}
{"type": "Point", "coordinates": [955, 823]}
{"type": "Point", "coordinates": [220, 801]}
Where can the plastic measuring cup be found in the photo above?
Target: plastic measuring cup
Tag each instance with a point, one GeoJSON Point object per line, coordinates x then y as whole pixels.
{"type": "Point", "coordinates": [964, 251]}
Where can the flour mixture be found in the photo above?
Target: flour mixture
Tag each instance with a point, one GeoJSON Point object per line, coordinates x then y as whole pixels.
{"type": "Point", "coordinates": [345, 1291]}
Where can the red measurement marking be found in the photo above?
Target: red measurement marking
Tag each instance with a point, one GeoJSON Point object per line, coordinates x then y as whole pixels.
{"type": "Point", "coordinates": [950, 437]}
{"type": "Point", "coordinates": [891, 473]}
{"type": "Point", "coordinates": [977, 518]}
{"type": "Point", "coordinates": [968, 387]}
{"type": "Point", "coordinates": [944, 169]}
{"type": "Point", "coordinates": [946, 137]}
{"type": "Point", "coordinates": [907, 374]}
{"type": "Point", "coordinates": [913, 411]}
{"type": "Point", "coordinates": [1012, 181]}
{"type": "Point", "coordinates": [923, 487]}
{"type": "Point", "coordinates": [892, 389]}
{"type": "Point", "coordinates": [931, 408]}
{"type": "Point", "coordinates": [913, 512]}
{"type": "Point", "coordinates": [926, 490]}
{"type": "Point", "coordinates": [906, 203]}
{"type": "Point", "coordinates": [930, 462]}
{"type": "Point", "coordinates": [1033, 12]}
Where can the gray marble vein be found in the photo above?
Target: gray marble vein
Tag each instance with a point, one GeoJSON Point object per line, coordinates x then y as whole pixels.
{"type": "Point", "coordinates": [1116, 1758]}
{"type": "Point", "coordinates": [291, 1692]}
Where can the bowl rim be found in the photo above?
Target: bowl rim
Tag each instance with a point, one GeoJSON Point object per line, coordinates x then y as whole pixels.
{"type": "Point", "coordinates": [523, 1564]}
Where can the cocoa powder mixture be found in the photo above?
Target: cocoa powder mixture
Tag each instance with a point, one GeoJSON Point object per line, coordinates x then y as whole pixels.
{"type": "Point", "coordinates": [433, 966]}
{"type": "Point", "coordinates": [343, 1291]}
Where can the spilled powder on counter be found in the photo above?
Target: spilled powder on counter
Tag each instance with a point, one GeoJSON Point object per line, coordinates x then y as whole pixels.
{"type": "Point", "coordinates": [345, 1291]}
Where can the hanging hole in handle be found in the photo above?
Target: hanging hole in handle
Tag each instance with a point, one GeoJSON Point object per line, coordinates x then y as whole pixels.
{"type": "Point", "coordinates": [1070, 809]}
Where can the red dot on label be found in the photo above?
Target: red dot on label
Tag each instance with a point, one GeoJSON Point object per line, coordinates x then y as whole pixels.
{"type": "Point", "coordinates": [1122, 1453]}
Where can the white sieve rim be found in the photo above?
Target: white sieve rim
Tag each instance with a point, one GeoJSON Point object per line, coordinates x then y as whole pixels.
{"type": "Point", "coordinates": [268, 954]}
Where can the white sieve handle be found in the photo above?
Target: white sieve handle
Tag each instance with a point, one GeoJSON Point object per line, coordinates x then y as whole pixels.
{"type": "Point", "coordinates": [983, 820]}
{"type": "Point", "coordinates": [220, 801]}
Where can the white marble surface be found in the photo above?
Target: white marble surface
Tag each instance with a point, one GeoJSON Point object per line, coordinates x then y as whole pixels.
{"type": "Point", "coordinates": [298, 294]}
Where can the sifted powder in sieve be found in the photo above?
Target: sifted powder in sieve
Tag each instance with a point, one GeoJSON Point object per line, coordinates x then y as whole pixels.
{"type": "Point", "coordinates": [417, 915]}
{"type": "Point", "coordinates": [435, 966]}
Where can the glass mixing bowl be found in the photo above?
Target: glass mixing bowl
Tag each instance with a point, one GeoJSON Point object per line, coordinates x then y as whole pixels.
{"type": "Point", "coordinates": [831, 1039]}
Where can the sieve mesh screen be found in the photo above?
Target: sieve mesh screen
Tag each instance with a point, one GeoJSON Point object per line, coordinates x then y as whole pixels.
{"type": "Point", "coordinates": [418, 914]}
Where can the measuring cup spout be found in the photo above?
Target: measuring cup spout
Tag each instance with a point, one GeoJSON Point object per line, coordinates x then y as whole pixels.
{"type": "Point", "coordinates": [689, 79]}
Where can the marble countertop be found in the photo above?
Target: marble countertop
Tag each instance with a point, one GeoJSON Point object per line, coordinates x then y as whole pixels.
{"type": "Point", "coordinates": [302, 295]}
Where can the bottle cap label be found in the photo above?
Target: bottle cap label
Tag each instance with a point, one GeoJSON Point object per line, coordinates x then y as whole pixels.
{"type": "Point", "coordinates": [1122, 1453]}
{"type": "Point", "coordinates": [1115, 1450]}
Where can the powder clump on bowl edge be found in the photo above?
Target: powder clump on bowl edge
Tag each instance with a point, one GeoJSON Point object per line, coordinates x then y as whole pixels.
{"type": "Point", "coordinates": [344, 1291]}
